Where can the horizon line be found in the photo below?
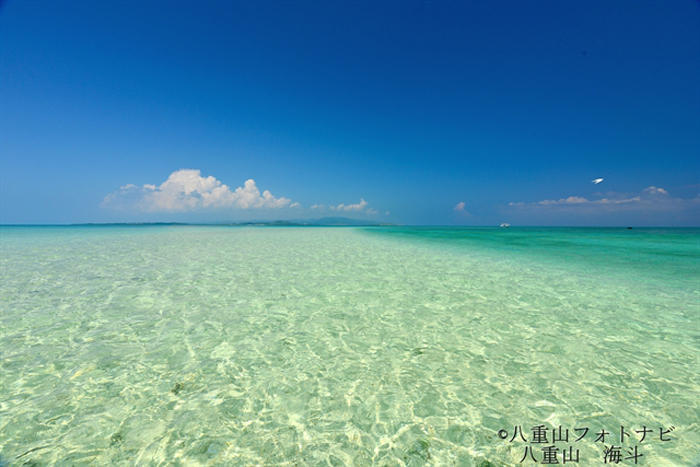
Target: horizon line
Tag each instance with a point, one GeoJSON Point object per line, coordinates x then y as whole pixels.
{"type": "Point", "coordinates": [310, 224]}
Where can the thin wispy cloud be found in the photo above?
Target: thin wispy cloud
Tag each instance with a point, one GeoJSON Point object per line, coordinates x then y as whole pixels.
{"type": "Point", "coordinates": [187, 190]}
{"type": "Point", "coordinates": [650, 198]}
{"type": "Point", "coordinates": [459, 207]}
{"type": "Point", "coordinates": [652, 190]}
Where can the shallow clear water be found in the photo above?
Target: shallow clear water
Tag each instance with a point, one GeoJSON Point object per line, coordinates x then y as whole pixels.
{"type": "Point", "coordinates": [336, 346]}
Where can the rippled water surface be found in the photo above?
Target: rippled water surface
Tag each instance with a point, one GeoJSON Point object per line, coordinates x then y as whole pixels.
{"type": "Point", "coordinates": [344, 346]}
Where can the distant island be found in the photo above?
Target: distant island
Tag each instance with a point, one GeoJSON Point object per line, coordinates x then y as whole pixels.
{"type": "Point", "coordinates": [324, 221]}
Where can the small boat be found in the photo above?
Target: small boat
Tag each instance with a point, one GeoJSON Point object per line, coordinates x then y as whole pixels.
{"type": "Point", "coordinates": [505, 225]}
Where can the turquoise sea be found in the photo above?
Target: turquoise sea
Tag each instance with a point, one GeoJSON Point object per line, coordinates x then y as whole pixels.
{"type": "Point", "coordinates": [207, 345]}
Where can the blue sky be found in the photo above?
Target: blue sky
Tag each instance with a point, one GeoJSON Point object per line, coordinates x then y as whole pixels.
{"type": "Point", "coordinates": [430, 112]}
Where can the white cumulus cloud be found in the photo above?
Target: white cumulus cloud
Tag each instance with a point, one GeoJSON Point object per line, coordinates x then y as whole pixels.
{"type": "Point", "coordinates": [461, 209]}
{"type": "Point", "coordinates": [361, 207]}
{"type": "Point", "coordinates": [188, 190]}
{"type": "Point", "coordinates": [350, 207]}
